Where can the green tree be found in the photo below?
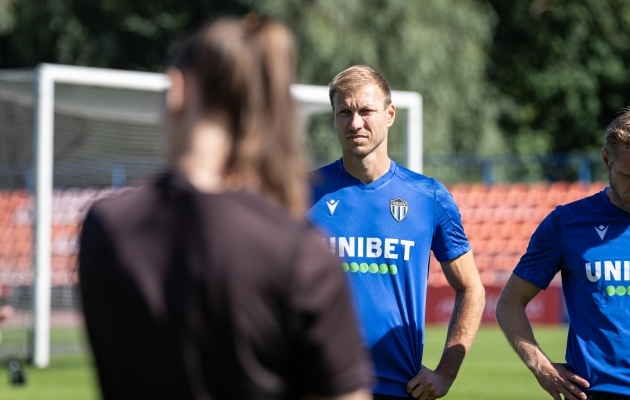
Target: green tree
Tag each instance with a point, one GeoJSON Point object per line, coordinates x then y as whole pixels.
{"type": "Point", "coordinates": [563, 68]}
{"type": "Point", "coordinates": [135, 35]}
{"type": "Point", "coordinates": [436, 47]}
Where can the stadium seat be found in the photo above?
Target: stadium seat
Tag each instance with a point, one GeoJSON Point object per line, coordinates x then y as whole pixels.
{"type": "Point", "coordinates": [500, 220]}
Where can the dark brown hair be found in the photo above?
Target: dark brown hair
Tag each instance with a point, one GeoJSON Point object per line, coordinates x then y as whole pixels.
{"type": "Point", "coordinates": [245, 68]}
{"type": "Point", "coordinates": [618, 134]}
{"type": "Point", "coordinates": [351, 79]}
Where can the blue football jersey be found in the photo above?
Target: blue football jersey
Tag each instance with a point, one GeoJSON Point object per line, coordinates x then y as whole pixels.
{"type": "Point", "coordinates": [384, 232]}
{"type": "Point", "coordinates": [588, 241]}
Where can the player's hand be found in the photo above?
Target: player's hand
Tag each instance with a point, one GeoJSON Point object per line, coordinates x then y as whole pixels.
{"type": "Point", "coordinates": [558, 378]}
{"type": "Point", "coordinates": [429, 385]}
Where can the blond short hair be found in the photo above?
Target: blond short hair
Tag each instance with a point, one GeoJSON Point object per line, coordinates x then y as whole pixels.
{"type": "Point", "coordinates": [350, 80]}
{"type": "Point", "coordinates": [618, 133]}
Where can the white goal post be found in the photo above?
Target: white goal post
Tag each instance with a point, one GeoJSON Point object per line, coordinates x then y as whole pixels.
{"type": "Point", "coordinates": [312, 100]}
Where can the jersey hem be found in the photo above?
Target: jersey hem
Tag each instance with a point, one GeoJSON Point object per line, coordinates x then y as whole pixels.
{"type": "Point", "coordinates": [390, 390]}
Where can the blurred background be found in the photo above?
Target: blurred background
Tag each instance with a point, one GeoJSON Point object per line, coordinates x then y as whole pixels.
{"type": "Point", "coordinates": [522, 88]}
{"type": "Point", "coordinates": [516, 97]}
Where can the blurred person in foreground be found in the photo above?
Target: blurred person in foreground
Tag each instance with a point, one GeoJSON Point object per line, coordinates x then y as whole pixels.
{"type": "Point", "coordinates": [209, 283]}
{"type": "Point", "coordinates": [588, 242]}
{"type": "Point", "coordinates": [385, 220]}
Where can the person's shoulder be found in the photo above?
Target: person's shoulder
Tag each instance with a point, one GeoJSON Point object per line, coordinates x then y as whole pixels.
{"type": "Point", "coordinates": [126, 205]}
{"type": "Point", "coordinates": [255, 210]}
{"type": "Point", "coordinates": [120, 202]}
{"type": "Point", "coordinates": [564, 214]}
{"type": "Point", "coordinates": [420, 182]}
{"type": "Point", "coordinates": [270, 227]}
{"type": "Point", "coordinates": [578, 208]}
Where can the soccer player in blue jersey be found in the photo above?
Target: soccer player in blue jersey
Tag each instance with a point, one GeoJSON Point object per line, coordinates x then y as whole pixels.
{"type": "Point", "coordinates": [588, 241]}
{"type": "Point", "coordinates": [383, 221]}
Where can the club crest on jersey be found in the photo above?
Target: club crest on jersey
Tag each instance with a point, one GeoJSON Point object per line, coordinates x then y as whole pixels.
{"type": "Point", "coordinates": [399, 208]}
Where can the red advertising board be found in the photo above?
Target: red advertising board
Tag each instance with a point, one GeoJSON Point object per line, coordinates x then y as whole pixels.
{"type": "Point", "coordinates": [545, 308]}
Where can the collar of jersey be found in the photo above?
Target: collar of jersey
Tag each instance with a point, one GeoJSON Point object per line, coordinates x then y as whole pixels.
{"type": "Point", "coordinates": [367, 186]}
{"type": "Point", "coordinates": [611, 206]}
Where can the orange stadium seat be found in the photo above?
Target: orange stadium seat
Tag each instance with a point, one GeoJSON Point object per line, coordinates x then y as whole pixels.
{"type": "Point", "coordinates": [526, 229]}
{"type": "Point", "coordinates": [500, 220]}
{"type": "Point", "coordinates": [482, 260]}
{"type": "Point", "coordinates": [460, 193]}
{"type": "Point", "coordinates": [474, 196]}
{"type": "Point", "coordinates": [23, 262]}
{"type": "Point", "coordinates": [486, 226]}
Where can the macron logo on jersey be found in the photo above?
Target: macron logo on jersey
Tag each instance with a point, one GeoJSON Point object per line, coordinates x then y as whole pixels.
{"type": "Point", "coordinates": [601, 231]}
{"type": "Point", "coordinates": [332, 205]}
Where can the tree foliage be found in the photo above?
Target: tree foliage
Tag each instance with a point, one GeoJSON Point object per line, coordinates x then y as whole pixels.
{"type": "Point", "coordinates": [135, 35]}
{"type": "Point", "coordinates": [563, 66]}
{"type": "Point", "coordinates": [496, 76]}
{"type": "Point", "coordinates": [435, 47]}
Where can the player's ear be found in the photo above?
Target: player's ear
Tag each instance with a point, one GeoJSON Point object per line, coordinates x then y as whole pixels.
{"type": "Point", "coordinates": [606, 159]}
{"type": "Point", "coordinates": [175, 95]}
{"type": "Point", "coordinates": [391, 114]}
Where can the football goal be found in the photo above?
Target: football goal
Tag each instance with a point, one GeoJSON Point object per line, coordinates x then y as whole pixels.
{"type": "Point", "coordinates": [70, 135]}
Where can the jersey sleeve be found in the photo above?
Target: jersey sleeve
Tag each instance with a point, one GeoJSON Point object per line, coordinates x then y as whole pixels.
{"type": "Point", "coordinates": [331, 358]}
{"type": "Point", "coordinates": [449, 240]}
{"type": "Point", "coordinates": [543, 257]}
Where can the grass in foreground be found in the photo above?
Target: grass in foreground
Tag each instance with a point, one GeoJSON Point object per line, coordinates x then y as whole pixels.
{"type": "Point", "coordinates": [70, 374]}
{"type": "Point", "coordinates": [491, 369]}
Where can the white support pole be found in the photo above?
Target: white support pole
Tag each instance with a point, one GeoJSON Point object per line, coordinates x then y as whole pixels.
{"type": "Point", "coordinates": [43, 167]}
{"type": "Point", "coordinates": [107, 77]}
{"type": "Point", "coordinates": [313, 99]}
{"type": "Point", "coordinates": [45, 78]}
{"type": "Point", "coordinates": [414, 134]}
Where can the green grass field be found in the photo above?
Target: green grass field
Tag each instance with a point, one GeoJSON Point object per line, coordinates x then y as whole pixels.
{"type": "Point", "coordinates": [491, 370]}
{"type": "Point", "coordinates": [70, 375]}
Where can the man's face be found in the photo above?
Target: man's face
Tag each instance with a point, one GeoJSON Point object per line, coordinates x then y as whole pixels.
{"type": "Point", "coordinates": [618, 168]}
{"type": "Point", "coordinates": [362, 120]}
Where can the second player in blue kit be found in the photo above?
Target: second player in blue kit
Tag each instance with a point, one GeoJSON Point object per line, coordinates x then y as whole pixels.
{"type": "Point", "coordinates": [587, 241]}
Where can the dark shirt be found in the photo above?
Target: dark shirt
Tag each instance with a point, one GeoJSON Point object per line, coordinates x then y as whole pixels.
{"type": "Point", "coordinates": [213, 296]}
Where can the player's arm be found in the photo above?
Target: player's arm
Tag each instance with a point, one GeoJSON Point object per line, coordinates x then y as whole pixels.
{"type": "Point", "coordinates": [462, 275]}
{"type": "Point", "coordinates": [555, 378]}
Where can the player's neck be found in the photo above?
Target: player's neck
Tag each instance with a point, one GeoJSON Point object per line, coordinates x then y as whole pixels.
{"type": "Point", "coordinates": [616, 200]}
{"type": "Point", "coordinates": [204, 161]}
{"type": "Point", "coordinates": [366, 169]}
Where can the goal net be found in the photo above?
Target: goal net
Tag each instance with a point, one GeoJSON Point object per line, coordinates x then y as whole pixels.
{"type": "Point", "coordinates": [71, 135]}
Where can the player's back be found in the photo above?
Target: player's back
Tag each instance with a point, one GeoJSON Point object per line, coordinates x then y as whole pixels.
{"type": "Point", "coordinates": [205, 294]}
